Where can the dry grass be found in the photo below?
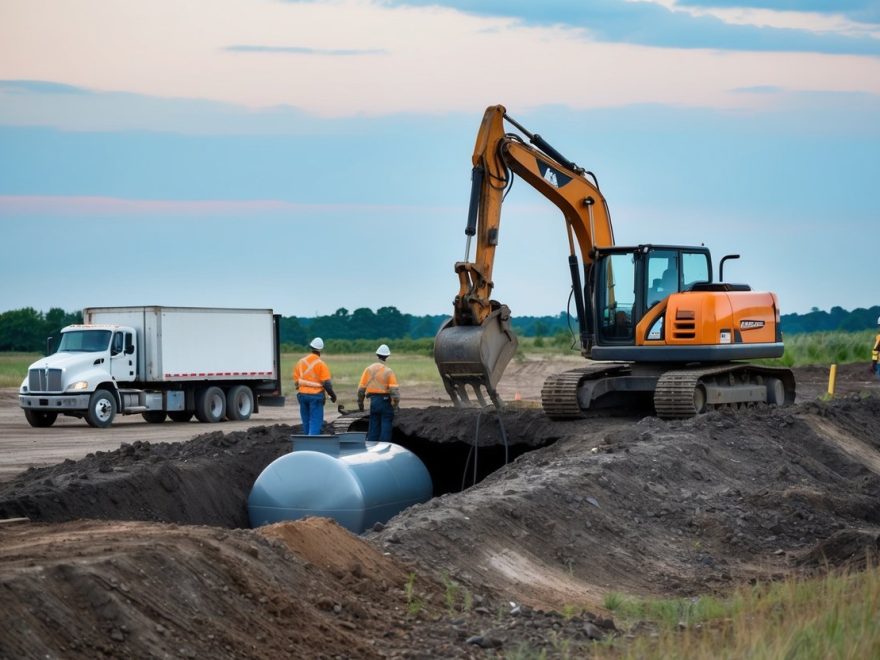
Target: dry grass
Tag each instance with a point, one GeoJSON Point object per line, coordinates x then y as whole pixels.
{"type": "Point", "coordinates": [835, 616]}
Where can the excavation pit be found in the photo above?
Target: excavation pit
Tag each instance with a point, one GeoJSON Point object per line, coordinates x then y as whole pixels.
{"type": "Point", "coordinates": [207, 480]}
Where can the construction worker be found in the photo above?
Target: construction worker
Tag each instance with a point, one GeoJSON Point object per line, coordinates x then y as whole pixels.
{"type": "Point", "coordinates": [875, 353]}
{"type": "Point", "coordinates": [312, 380]}
{"type": "Point", "coordinates": [380, 384]}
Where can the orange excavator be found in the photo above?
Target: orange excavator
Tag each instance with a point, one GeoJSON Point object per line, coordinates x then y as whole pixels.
{"type": "Point", "coordinates": [651, 320]}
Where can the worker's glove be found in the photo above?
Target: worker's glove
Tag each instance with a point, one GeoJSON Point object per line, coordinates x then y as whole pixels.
{"type": "Point", "coordinates": [361, 406]}
{"type": "Point", "coordinates": [333, 398]}
{"type": "Point", "coordinates": [395, 404]}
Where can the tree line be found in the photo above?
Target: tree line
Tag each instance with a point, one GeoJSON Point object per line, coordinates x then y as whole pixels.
{"type": "Point", "coordinates": [27, 329]}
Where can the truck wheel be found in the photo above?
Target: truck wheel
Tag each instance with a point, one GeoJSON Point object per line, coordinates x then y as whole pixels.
{"type": "Point", "coordinates": [102, 409]}
{"type": "Point", "coordinates": [154, 416]}
{"type": "Point", "coordinates": [210, 405]}
{"type": "Point", "coordinates": [40, 419]}
{"type": "Point", "coordinates": [239, 403]}
{"type": "Point", "coordinates": [180, 415]}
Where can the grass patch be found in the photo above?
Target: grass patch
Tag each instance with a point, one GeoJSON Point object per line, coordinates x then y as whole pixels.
{"type": "Point", "coordinates": [346, 371]}
{"type": "Point", "coordinates": [835, 616]}
{"type": "Point", "coordinates": [14, 366]}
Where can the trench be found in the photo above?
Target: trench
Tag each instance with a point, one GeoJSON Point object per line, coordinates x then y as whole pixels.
{"type": "Point", "coordinates": [207, 480]}
{"type": "Point", "coordinates": [457, 463]}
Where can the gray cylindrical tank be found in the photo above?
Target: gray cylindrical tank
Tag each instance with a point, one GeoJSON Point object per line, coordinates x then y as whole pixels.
{"type": "Point", "coordinates": [344, 477]}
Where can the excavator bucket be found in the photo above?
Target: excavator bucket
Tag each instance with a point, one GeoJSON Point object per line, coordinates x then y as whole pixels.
{"type": "Point", "coordinates": [475, 356]}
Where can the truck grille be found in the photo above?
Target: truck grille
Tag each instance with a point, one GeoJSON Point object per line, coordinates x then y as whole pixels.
{"type": "Point", "coordinates": [44, 380]}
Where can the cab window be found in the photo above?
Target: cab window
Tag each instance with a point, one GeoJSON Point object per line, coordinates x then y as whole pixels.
{"type": "Point", "coordinates": [694, 268]}
{"type": "Point", "coordinates": [617, 296]}
{"type": "Point", "coordinates": [663, 276]}
{"type": "Point", "coordinates": [118, 343]}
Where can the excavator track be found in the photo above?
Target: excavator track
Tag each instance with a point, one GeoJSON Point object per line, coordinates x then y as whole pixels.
{"type": "Point", "coordinates": [559, 395]}
{"type": "Point", "coordinates": [681, 393]}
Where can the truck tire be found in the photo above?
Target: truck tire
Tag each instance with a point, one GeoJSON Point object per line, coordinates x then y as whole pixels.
{"type": "Point", "coordinates": [210, 405]}
{"type": "Point", "coordinates": [39, 419]}
{"type": "Point", "coordinates": [102, 409]}
{"type": "Point", "coordinates": [154, 416]}
{"type": "Point", "coordinates": [180, 415]}
{"type": "Point", "coordinates": [239, 403]}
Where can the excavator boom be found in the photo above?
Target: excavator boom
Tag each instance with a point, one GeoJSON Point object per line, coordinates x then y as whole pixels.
{"type": "Point", "coordinates": [474, 346]}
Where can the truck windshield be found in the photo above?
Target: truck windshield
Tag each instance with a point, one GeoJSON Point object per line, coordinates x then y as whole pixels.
{"type": "Point", "coordinates": [84, 341]}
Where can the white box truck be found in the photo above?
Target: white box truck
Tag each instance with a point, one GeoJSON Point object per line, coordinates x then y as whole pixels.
{"type": "Point", "coordinates": [158, 361]}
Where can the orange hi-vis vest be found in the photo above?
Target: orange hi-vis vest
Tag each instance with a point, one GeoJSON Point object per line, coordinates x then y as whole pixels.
{"type": "Point", "coordinates": [378, 379]}
{"type": "Point", "coordinates": [310, 373]}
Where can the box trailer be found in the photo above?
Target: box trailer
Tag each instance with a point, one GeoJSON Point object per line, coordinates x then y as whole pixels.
{"type": "Point", "coordinates": [159, 362]}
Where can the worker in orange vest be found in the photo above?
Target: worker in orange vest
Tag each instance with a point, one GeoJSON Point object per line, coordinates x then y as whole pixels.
{"type": "Point", "coordinates": [875, 353]}
{"type": "Point", "coordinates": [312, 380]}
{"type": "Point", "coordinates": [380, 384]}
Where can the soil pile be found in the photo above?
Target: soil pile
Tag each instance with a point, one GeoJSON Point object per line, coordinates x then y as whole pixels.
{"type": "Point", "coordinates": [580, 509]}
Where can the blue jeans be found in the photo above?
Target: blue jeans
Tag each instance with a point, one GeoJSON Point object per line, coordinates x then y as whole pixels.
{"type": "Point", "coordinates": [381, 418]}
{"type": "Point", "coordinates": [311, 410]}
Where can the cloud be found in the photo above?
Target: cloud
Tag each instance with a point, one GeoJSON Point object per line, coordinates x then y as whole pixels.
{"type": "Point", "coordinates": [93, 206]}
{"type": "Point", "coordinates": [867, 11]}
{"type": "Point", "coordinates": [669, 24]}
{"type": "Point", "coordinates": [300, 50]}
{"type": "Point", "coordinates": [39, 87]}
{"type": "Point", "coordinates": [434, 60]}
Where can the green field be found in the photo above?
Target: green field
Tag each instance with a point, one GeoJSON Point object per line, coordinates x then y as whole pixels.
{"type": "Point", "coordinates": [346, 369]}
{"type": "Point", "coordinates": [13, 367]}
{"type": "Point", "coordinates": [818, 348]}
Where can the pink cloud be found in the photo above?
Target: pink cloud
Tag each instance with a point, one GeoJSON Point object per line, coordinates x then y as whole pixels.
{"type": "Point", "coordinates": [114, 206]}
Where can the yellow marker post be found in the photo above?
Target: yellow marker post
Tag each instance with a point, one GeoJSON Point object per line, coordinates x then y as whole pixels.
{"type": "Point", "coordinates": [832, 379]}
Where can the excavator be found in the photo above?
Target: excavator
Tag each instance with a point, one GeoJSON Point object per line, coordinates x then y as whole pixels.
{"type": "Point", "coordinates": [651, 320]}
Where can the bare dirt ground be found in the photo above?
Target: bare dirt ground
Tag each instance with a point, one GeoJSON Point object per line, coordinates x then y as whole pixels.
{"type": "Point", "coordinates": [141, 551]}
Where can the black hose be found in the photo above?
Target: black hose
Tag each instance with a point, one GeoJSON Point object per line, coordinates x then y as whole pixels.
{"type": "Point", "coordinates": [474, 450]}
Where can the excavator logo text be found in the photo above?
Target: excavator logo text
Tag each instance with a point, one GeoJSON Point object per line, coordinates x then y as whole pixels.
{"type": "Point", "coordinates": [751, 325]}
{"type": "Point", "coordinates": [554, 177]}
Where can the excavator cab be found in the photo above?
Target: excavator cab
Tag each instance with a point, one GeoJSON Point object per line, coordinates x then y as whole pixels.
{"type": "Point", "coordinates": [633, 280]}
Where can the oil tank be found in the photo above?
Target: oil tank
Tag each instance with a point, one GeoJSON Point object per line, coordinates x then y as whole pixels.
{"type": "Point", "coordinates": [344, 477]}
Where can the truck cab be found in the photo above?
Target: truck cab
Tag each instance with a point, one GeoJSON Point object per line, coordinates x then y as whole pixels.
{"type": "Point", "coordinates": [90, 360]}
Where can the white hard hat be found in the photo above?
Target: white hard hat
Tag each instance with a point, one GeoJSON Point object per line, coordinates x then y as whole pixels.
{"type": "Point", "coordinates": [383, 350]}
{"type": "Point", "coordinates": [317, 344]}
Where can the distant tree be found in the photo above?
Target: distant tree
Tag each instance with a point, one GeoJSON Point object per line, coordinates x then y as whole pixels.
{"type": "Point", "coordinates": [22, 330]}
{"type": "Point", "coordinates": [364, 324]}
{"type": "Point", "coordinates": [292, 331]}
{"type": "Point", "coordinates": [425, 326]}
{"type": "Point", "coordinates": [392, 323]}
{"type": "Point", "coordinates": [334, 326]}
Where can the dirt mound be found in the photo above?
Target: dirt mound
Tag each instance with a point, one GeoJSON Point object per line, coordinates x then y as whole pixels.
{"type": "Point", "coordinates": [205, 481]}
{"type": "Point", "coordinates": [554, 515]}
{"type": "Point", "coordinates": [658, 507]}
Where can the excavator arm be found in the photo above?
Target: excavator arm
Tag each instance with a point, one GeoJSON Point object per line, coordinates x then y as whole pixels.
{"type": "Point", "coordinates": [475, 345]}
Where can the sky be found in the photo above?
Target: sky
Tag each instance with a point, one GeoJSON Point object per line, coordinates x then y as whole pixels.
{"type": "Point", "coordinates": [312, 155]}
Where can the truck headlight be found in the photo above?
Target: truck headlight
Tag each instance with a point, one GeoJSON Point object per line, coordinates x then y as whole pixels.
{"type": "Point", "coordinates": [79, 385]}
